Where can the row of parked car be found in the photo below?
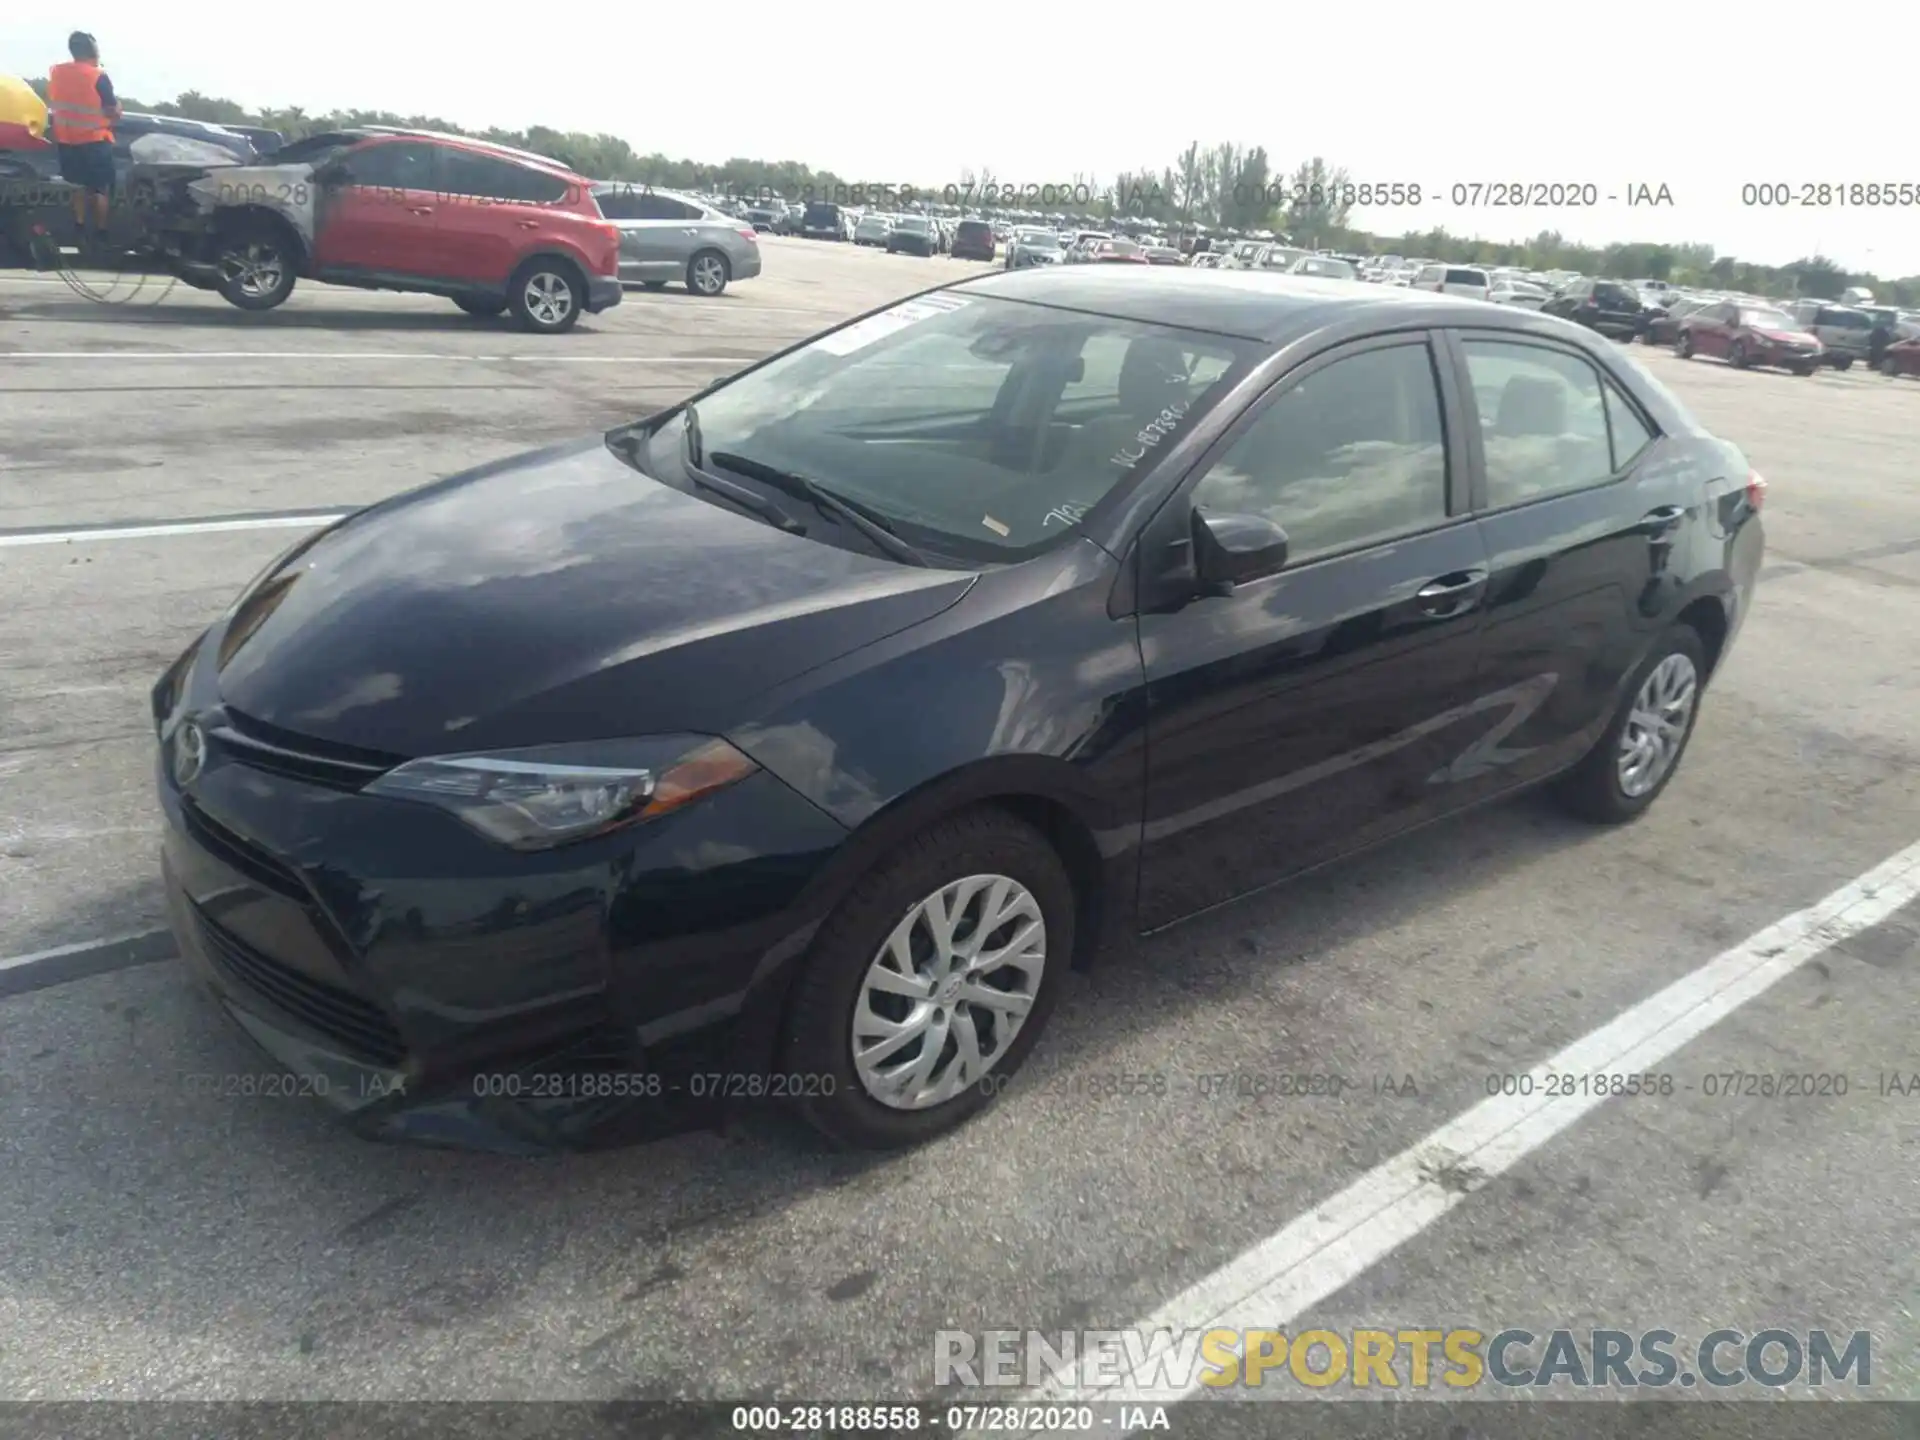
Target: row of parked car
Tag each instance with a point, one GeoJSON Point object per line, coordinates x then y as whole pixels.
{"type": "Point", "coordinates": [497, 231]}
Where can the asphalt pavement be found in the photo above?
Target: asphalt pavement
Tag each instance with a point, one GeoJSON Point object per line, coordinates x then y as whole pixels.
{"type": "Point", "coordinates": [159, 1239]}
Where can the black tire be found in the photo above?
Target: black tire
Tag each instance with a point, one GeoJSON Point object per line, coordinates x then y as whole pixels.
{"type": "Point", "coordinates": [1683, 346]}
{"type": "Point", "coordinates": [1737, 355]}
{"type": "Point", "coordinates": [1804, 369]}
{"type": "Point", "coordinates": [533, 293]}
{"type": "Point", "coordinates": [1592, 790]}
{"type": "Point", "coordinates": [1843, 364]}
{"type": "Point", "coordinates": [818, 1030]}
{"type": "Point", "coordinates": [480, 305]}
{"type": "Point", "coordinates": [1890, 368]}
{"type": "Point", "coordinates": [653, 284]}
{"type": "Point", "coordinates": [248, 255]}
{"type": "Point", "coordinates": [708, 272]}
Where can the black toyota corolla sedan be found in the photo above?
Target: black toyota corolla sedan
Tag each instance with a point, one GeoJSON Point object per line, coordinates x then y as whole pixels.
{"type": "Point", "coordinates": [791, 743]}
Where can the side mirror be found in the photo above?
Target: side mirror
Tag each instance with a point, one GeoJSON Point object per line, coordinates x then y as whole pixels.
{"type": "Point", "coordinates": [334, 172]}
{"type": "Point", "coordinates": [1229, 550]}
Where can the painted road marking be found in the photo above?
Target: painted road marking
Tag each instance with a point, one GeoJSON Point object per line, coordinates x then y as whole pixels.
{"type": "Point", "coordinates": [308, 519]}
{"type": "Point", "coordinates": [94, 356]}
{"type": "Point", "coordinates": [20, 974]}
{"type": "Point", "coordinates": [1324, 1250]}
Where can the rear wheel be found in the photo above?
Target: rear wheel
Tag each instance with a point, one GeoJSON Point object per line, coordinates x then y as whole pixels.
{"type": "Point", "coordinates": [546, 295]}
{"type": "Point", "coordinates": [1890, 367]}
{"type": "Point", "coordinates": [928, 987]}
{"type": "Point", "coordinates": [708, 273]}
{"type": "Point", "coordinates": [480, 305]}
{"type": "Point", "coordinates": [257, 266]}
{"type": "Point", "coordinates": [1640, 752]}
{"type": "Point", "coordinates": [1737, 356]}
{"type": "Point", "coordinates": [1843, 364]}
{"type": "Point", "coordinates": [1683, 347]}
{"type": "Point", "coordinates": [1804, 369]}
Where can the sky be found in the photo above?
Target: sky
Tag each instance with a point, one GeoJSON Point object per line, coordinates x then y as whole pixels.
{"type": "Point", "coordinates": [1703, 100]}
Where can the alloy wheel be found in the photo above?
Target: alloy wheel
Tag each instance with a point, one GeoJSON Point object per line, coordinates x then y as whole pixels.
{"type": "Point", "coordinates": [1657, 725]}
{"type": "Point", "coordinates": [948, 991]}
{"type": "Point", "coordinates": [549, 298]}
{"type": "Point", "coordinates": [708, 274]}
{"type": "Point", "coordinates": [255, 269]}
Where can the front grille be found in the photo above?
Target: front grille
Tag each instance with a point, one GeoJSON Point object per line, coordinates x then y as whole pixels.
{"type": "Point", "coordinates": [261, 746]}
{"type": "Point", "coordinates": [242, 854]}
{"type": "Point", "coordinates": [356, 1024]}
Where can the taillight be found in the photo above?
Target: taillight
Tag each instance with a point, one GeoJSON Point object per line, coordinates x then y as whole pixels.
{"type": "Point", "coordinates": [1756, 489]}
{"type": "Point", "coordinates": [753, 236]}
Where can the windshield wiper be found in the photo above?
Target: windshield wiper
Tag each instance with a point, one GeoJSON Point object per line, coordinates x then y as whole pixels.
{"type": "Point", "coordinates": [630, 442]}
{"type": "Point", "coordinates": [875, 527]}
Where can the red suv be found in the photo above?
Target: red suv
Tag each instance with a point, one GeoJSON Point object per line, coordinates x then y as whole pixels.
{"type": "Point", "coordinates": [490, 228]}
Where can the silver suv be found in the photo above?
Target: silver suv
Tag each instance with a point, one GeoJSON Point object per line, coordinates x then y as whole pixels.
{"type": "Point", "coordinates": [1846, 332]}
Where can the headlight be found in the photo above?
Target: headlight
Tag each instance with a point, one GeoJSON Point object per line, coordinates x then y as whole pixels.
{"type": "Point", "coordinates": [537, 799]}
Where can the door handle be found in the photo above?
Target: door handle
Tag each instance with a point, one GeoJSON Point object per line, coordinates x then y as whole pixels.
{"type": "Point", "coordinates": [1658, 524]}
{"type": "Point", "coordinates": [529, 224]}
{"type": "Point", "coordinates": [690, 230]}
{"type": "Point", "coordinates": [421, 209]}
{"type": "Point", "coordinates": [1452, 594]}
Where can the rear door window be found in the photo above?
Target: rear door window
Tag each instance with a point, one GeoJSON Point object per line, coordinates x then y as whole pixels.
{"type": "Point", "coordinates": [1543, 421]}
{"type": "Point", "coordinates": [471, 174]}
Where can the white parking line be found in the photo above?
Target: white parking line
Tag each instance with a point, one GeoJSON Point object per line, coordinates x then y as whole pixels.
{"type": "Point", "coordinates": [164, 528]}
{"type": "Point", "coordinates": [1324, 1250]}
{"type": "Point", "coordinates": [97, 355]}
{"type": "Point", "coordinates": [40, 957]}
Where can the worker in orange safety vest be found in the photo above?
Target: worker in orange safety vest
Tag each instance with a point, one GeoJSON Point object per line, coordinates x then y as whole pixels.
{"type": "Point", "coordinates": [81, 109]}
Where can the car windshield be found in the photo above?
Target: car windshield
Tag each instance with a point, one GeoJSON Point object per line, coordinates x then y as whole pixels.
{"type": "Point", "coordinates": [910, 222]}
{"type": "Point", "coordinates": [1768, 320]}
{"type": "Point", "coordinates": [1466, 277]}
{"type": "Point", "coordinates": [979, 428]}
{"type": "Point", "coordinates": [1336, 269]}
{"type": "Point", "coordinates": [1044, 239]}
{"type": "Point", "coordinates": [823, 214]}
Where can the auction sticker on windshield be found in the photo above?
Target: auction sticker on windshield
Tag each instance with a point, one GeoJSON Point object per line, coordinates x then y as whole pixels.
{"type": "Point", "coordinates": [863, 333]}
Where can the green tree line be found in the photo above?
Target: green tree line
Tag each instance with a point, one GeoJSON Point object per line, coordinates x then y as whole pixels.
{"type": "Point", "coordinates": [1221, 186]}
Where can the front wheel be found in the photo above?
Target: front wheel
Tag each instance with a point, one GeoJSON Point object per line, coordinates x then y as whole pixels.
{"type": "Point", "coordinates": [1737, 356]}
{"type": "Point", "coordinates": [708, 273]}
{"type": "Point", "coordinates": [1843, 364]}
{"type": "Point", "coordinates": [546, 296]}
{"type": "Point", "coordinates": [928, 987]}
{"type": "Point", "coordinates": [1683, 347]}
{"type": "Point", "coordinates": [1804, 369]}
{"type": "Point", "coordinates": [1890, 368]}
{"type": "Point", "coordinates": [1626, 771]}
{"type": "Point", "coordinates": [257, 268]}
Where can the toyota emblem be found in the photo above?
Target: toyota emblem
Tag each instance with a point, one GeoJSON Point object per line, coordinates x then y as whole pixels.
{"type": "Point", "coordinates": [189, 752]}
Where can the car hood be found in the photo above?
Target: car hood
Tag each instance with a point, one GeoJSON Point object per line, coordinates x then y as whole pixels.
{"type": "Point", "coordinates": [556, 596]}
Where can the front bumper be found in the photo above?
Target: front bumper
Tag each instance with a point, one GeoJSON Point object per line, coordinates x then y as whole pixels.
{"type": "Point", "coordinates": [603, 293]}
{"type": "Point", "coordinates": [431, 987]}
{"type": "Point", "coordinates": [1782, 358]}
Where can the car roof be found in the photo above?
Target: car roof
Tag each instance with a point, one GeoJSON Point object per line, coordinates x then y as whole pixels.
{"type": "Point", "coordinates": [526, 157]}
{"type": "Point", "coordinates": [1247, 304]}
